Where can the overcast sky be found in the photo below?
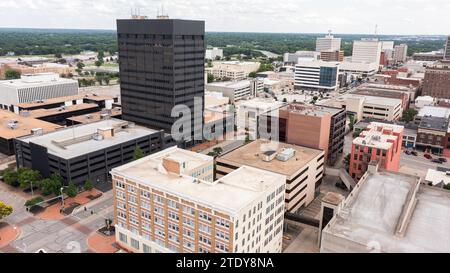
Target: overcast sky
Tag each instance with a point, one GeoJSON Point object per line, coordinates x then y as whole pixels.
{"type": "Point", "coordinates": [293, 16]}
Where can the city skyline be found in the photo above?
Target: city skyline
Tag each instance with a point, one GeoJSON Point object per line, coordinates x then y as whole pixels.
{"type": "Point", "coordinates": [304, 16]}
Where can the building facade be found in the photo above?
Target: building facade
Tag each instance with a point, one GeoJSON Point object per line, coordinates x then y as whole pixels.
{"type": "Point", "coordinates": [86, 151]}
{"type": "Point", "coordinates": [36, 87]}
{"type": "Point", "coordinates": [169, 202]}
{"type": "Point", "coordinates": [400, 53]}
{"type": "Point", "coordinates": [328, 43]}
{"type": "Point", "coordinates": [316, 75]}
{"type": "Point", "coordinates": [437, 81]}
{"type": "Point", "coordinates": [447, 49]}
{"type": "Point", "coordinates": [432, 134]}
{"type": "Point", "coordinates": [367, 51]}
{"type": "Point", "coordinates": [161, 65]}
{"type": "Point", "coordinates": [237, 90]}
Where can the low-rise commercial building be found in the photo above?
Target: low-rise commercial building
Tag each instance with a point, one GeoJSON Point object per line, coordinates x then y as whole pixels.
{"type": "Point", "coordinates": [214, 53]}
{"type": "Point", "coordinates": [432, 133]}
{"type": "Point", "coordinates": [303, 167]}
{"type": "Point", "coordinates": [237, 90]}
{"type": "Point", "coordinates": [294, 58]}
{"type": "Point", "coordinates": [96, 116]}
{"type": "Point", "coordinates": [32, 88]}
{"type": "Point", "coordinates": [332, 56]}
{"type": "Point", "coordinates": [432, 111]}
{"type": "Point", "coordinates": [60, 69]}
{"type": "Point", "coordinates": [233, 70]}
{"type": "Point", "coordinates": [428, 56]}
{"type": "Point", "coordinates": [16, 126]}
{"type": "Point", "coordinates": [437, 80]}
{"type": "Point", "coordinates": [168, 202]}
{"type": "Point", "coordinates": [86, 151]}
{"type": "Point", "coordinates": [388, 213]}
{"type": "Point", "coordinates": [379, 142]}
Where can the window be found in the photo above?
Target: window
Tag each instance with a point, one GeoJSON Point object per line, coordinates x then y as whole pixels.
{"type": "Point", "coordinates": [188, 221]}
{"type": "Point", "coordinates": [173, 216]}
{"type": "Point", "coordinates": [146, 215]}
{"type": "Point", "coordinates": [145, 194]}
{"type": "Point", "coordinates": [134, 243]}
{"type": "Point", "coordinates": [172, 204]}
{"type": "Point", "coordinates": [204, 239]}
{"type": "Point", "coordinates": [147, 249]}
{"type": "Point", "coordinates": [188, 233]}
{"type": "Point", "coordinates": [188, 210]}
{"type": "Point", "coordinates": [188, 244]}
{"type": "Point", "coordinates": [131, 189]}
{"type": "Point", "coordinates": [204, 228]}
{"type": "Point", "coordinates": [204, 216]}
{"type": "Point", "coordinates": [158, 199]}
{"type": "Point", "coordinates": [120, 185]}
{"type": "Point", "coordinates": [123, 237]}
{"type": "Point", "coordinates": [222, 222]}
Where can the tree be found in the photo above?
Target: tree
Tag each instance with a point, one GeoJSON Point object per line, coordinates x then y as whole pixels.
{"type": "Point", "coordinates": [72, 190]}
{"type": "Point", "coordinates": [217, 150]}
{"type": "Point", "coordinates": [107, 79]}
{"type": "Point", "coordinates": [11, 74]}
{"type": "Point", "coordinates": [27, 176]}
{"type": "Point", "coordinates": [56, 183]}
{"type": "Point", "coordinates": [138, 153]}
{"type": "Point", "coordinates": [5, 210]}
{"type": "Point", "coordinates": [447, 186]}
{"type": "Point", "coordinates": [10, 177]}
{"type": "Point", "coordinates": [80, 66]}
{"type": "Point", "coordinates": [265, 67]}
{"type": "Point", "coordinates": [58, 55]}
{"type": "Point", "coordinates": [88, 186]}
{"type": "Point", "coordinates": [357, 133]}
{"type": "Point", "coordinates": [352, 121]}
{"type": "Point", "coordinates": [101, 55]}
{"type": "Point", "coordinates": [409, 115]}
{"type": "Point", "coordinates": [252, 74]}
{"type": "Point", "coordinates": [98, 63]}
{"type": "Point", "coordinates": [211, 78]}
{"type": "Point", "coordinates": [46, 186]}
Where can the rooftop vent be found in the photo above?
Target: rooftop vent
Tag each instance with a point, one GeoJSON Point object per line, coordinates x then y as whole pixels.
{"type": "Point", "coordinates": [37, 131]}
{"type": "Point", "coordinates": [98, 137]}
{"type": "Point", "coordinates": [269, 155]}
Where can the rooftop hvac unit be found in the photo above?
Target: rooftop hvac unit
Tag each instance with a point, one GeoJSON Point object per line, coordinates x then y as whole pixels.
{"type": "Point", "coordinates": [98, 137]}
{"type": "Point", "coordinates": [37, 131]}
{"type": "Point", "coordinates": [12, 126]}
{"type": "Point", "coordinates": [286, 154]}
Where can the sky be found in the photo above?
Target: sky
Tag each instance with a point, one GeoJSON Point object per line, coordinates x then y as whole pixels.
{"type": "Point", "coordinates": [427, 17]}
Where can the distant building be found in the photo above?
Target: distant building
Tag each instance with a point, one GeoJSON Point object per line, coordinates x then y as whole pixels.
{"type": "Point", "coordinates": [232, 70]}
{"type": "Point", "coordinates": [437, 81]}
{"type": "Point", "coordinates": [400, 53]}
{"type": "Point", "coordinates": [36, 87]}
{"type": "Point", "coordinates": [366, 51]}
{"type": "Point", "coordinates": [358, 69]}
{"type": "Point", "coordinates": [60, 69]}
{"type": "Point", "coordinates": [379, 142]}
{"type": "Point", "coordinates": [328, 43]}
{"type": "Point", "coordinates": [86, 151]}
{"type": "Point", "coordinates": [316, 75]}
{"type": "Point", "coordinates": [214, 53]}
{"type": "Point", "coordinates": [169, 202]}
{"type": "Point", "coordinates": [388, 213]}
{"type": "Point", "coordinates": [332, 56]}
{"type": "Point", "coordinates": [237, 90]}
{"type": "Point", "coordinates": [432, 111]}
{"type": "Point", "coordinates": [428, 56]}
{"type": "Point", "coordinates": [423, 101]}
{"type": "Point", "coordinates": [385, 91]}
{"type": "Point", "coordinates": [303, 167]}
{"type": "Point", "coordinates": [294, 58]}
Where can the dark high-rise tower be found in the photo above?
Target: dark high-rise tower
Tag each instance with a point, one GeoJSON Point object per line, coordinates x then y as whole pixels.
{"type": "Point", "coordinates": [161, 65]}
{"type": "Point", "coordinates": [447, 49]}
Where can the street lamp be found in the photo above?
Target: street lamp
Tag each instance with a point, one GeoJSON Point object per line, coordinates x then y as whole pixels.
{"type": "Point", "coordinates": [62, 197]}
{"type": "Point", "coordinates": [32, 192]}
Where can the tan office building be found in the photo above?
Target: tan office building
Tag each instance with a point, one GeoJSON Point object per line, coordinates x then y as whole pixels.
{"type": "Point", "coordinates": [303, 167]}
{"type": "Point", "coordinates": [168, 202]}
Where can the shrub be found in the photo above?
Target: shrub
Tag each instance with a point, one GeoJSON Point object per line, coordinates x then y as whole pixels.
{"type": "Point", "coordinates": [88, 185]}
{"type": "Point", "coordinates": [34, 201]}
{"type": "Point", "coordinates": [72, 190]}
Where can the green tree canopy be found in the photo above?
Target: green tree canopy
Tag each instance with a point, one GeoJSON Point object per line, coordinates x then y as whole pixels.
{"type": "Point", "coordinates": [409, 115]}
{"type": "Point", "coordinates": [138, 153]}
{"type": "Point", "coordinates": [72, 190]}
{"type": "Point", "coordinates": [11, 74]}
{"type": "Point", "coordinates": [10, 177]}
{"type": "Point", "coordinates": [27, 176]}
{"type": "Point", "coordinates": [88, 185]}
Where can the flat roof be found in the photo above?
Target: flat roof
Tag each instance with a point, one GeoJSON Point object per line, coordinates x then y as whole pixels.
{"type": "Point", "coordinates": [86, 130]}
{"type": "Point", "coordinates": [41, 113]}
{"type": "Point", "coordinates": [434, 123]}
{"type": "Point", "coordinates": [40, 79]}
{"type": "Point", "coordinates": [376, 100]}
{"type": "Point", "coordinates": [437, 177]}
{"type": "Point", "coordinates": [434, 111]}
{"type": "Point", "coordinates": [230, 84]}
{"type": "Point", "coordinates": [308, 109]}
{"type": "Point", "coordinates": [250, 155]}
{"type": "Point", "coordinates": [375, 211]}
{"type": "Point", "coordinates": [94, 117]}
{"type": "Point", "coordinates": [23, 125]}
{"type": "Point", "coordinates": [375, 138]}
{"type": "Point", "coordinates": [64, 99]}
{"type": "Point", "coordinates": [229, 194]}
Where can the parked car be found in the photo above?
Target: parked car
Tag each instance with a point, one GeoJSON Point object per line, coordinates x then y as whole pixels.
{"type": "Point", "coordinates": [414, 153]}
{"type": "Point", "coordinates": [408, 152]}
{"type": "Point", "coordinates": [443, 159]}
{"type": "Point", "coordinates": [436, 161]}
{"type": "Point", "coordinates": [428, 156]}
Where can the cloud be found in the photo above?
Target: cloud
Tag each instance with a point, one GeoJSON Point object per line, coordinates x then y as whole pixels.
{"type": "Point", "coordinates": [313, 16]}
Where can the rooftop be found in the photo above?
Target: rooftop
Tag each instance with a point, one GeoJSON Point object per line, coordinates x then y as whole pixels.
{"type": "Point", "coordinates": [93, 97]}
{"type": "Point", "coordinates": [14, 126]}
{"type": "Point", "coordinates": [312, 110]}
{"type": "Point", "coordinates": [231, 84]}
{"type": "Point", "coordinates": [393, 211]}
{"type": "Point", "coordinates": [434, 123]}
{"type": "Point", "coordinates": [79, 140]}
{"type": "Point", "coordinates": [251, 155]}
{"type": "Point", "coordinates": [40, 79]}
{"type": "Point", "coordinates": [229, 194]}
{"type": "Point", "coordinates": [434, 111]}
{"type": "Point", "coordinates": [379, 135]}
{"type": "Point", "coordinates": [94, 117]}
{"type": "Point", "coordinates": [41, 113]}
{"type": "Point", "coordinates": [436, 177]}
{"type": "Point", "coordinates": [375, 100]}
